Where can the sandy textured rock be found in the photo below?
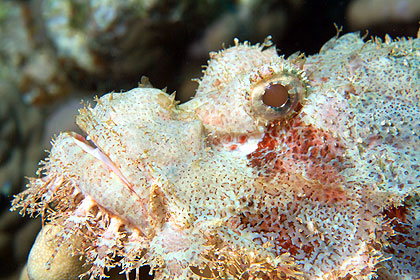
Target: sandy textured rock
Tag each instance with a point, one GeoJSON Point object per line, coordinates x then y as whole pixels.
{"type": "Point", "coordinates": [50, 260]}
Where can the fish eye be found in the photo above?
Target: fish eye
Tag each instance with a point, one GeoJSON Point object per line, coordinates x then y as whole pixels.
{"type": "Point", "coordinates": [275, 95]}
{"type": "Point", "coordinates": [280, 96]}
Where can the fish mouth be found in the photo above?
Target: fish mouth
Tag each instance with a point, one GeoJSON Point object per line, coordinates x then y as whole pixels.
{"type": "Point", "coordinates": [86, 145]}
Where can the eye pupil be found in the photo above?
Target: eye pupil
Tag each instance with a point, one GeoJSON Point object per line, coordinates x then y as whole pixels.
{"type": "Point", "coordinates": [275, 95]}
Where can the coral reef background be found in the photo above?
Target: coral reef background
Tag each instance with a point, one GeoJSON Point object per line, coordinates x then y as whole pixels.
{"type": "Point", "coordinates": [56, 52]}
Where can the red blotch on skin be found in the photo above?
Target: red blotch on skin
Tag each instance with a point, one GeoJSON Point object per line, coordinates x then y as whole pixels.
{"type": "Point", "coordinates": [265, 152]}
{"type": "Point", "coordinates": [324, 193]}
{"type": "Point", "coordinates": [243, 139]}
{"type": "Point", "coordinates": [398, 217]}
{"type": "Point", "coordinates": [294, 147]}
{"type": "Point", "coordinates": [399, 213]}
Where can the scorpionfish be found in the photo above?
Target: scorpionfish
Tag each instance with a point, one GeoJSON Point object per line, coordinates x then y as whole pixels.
{"type": "Point", "coordinates": [277, 168]}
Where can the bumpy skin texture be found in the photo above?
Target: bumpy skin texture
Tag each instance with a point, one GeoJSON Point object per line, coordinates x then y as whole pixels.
{"type": "Point", "coordinates": [225, 186]}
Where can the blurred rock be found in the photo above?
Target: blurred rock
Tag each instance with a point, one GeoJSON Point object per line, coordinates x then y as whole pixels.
{"type": "Point", "coordinates": [24, 273]}
{"type": "Point", "coordinates": [15, 43]}
{"type": "Point", "coordinates": [41, 258]}
{"type": "Point", "coordinates": [42, 80]}
{"type": "Point", "coordinates": [9, 221]}
{"type": "Point", "coordinates": [21, 129]}
{"type": "Point", "coordinates": [24, 238]}
{"type": "Point", "coordinates": [364, 13]}
{"type": "Point", "coordinates": [63, 118]}
{"type": "Point", "coordinates": [121, 40]}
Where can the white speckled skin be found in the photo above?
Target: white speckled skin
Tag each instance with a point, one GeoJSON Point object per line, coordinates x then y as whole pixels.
{"type": "Point", "coordinates": [227, 187]}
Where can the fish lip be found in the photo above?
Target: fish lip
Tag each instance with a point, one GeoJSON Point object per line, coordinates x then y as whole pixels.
{"type": "Point", "coordinates": [100, 155]}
